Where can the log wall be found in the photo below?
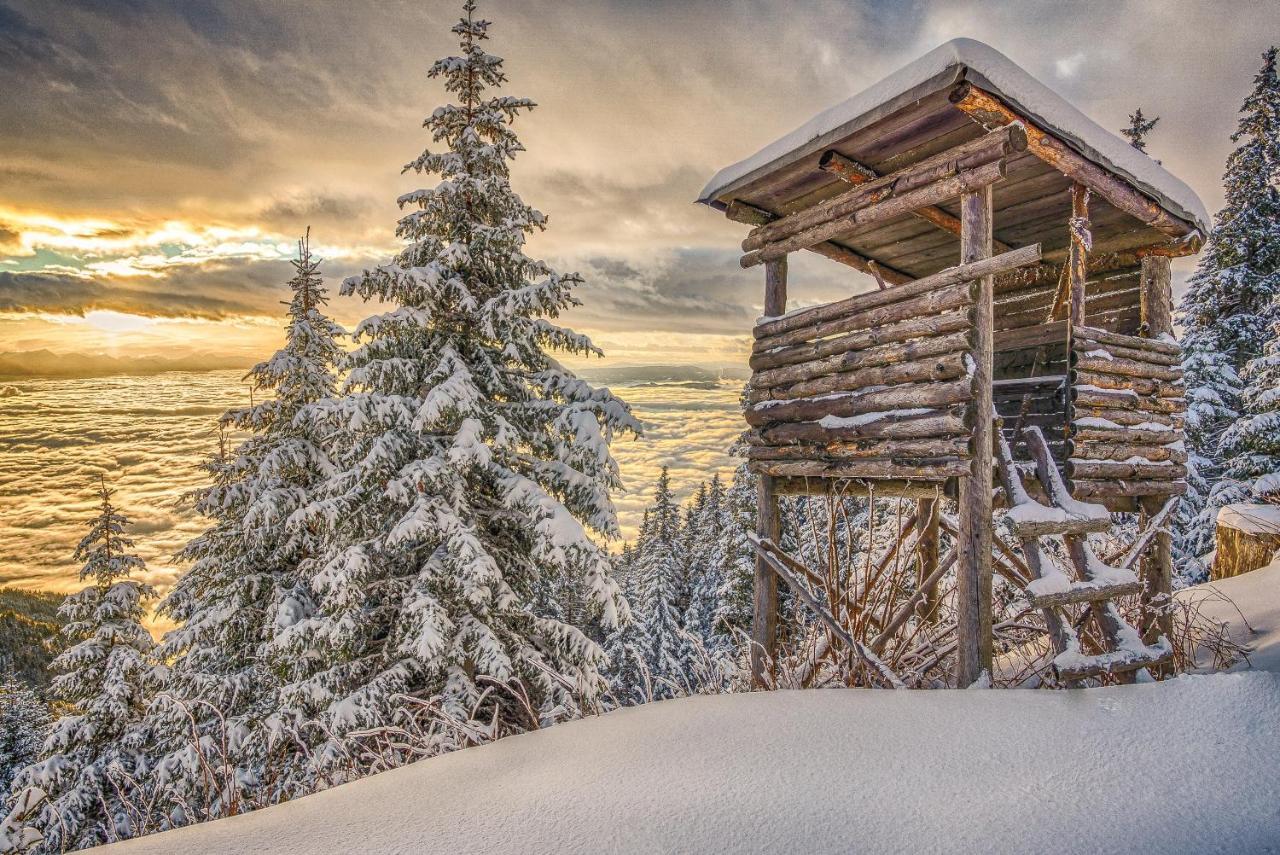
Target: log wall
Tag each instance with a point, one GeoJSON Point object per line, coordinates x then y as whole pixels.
{"type": "Point", "coordinates": [1127, 408]}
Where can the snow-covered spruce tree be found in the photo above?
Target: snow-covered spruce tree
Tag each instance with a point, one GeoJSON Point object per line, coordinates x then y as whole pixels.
{"type": "Point", "coordinates": [660, 569]}
{"type": "Point", "coordinates": [24, 719]}
{"type": "Point", "coordinates": [706, 568]}
{"type": "Point", "coordinates": [1251, 445]}
{"type": "Point", "coordinates": [244, 589]}
{"type": "Point", "coordinates": [474, 465]}
{"type": "Point", "coordinates": [95, 754]}
{"type": "Point", "coordinates": [1228, 309]}
{"type": "Point", "coordinates": [1138, 128]}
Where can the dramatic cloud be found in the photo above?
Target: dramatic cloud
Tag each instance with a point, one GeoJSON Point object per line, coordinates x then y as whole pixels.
{"type": "Point", "coordinates": [142, 135]}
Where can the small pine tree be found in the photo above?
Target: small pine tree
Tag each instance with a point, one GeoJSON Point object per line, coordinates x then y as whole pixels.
{"type": "Point", "coordinates": [94, 755]}
{"type": "Point", "coordinates": [1139, 127]}
{"type": "Point", "coordinates": [473, 466]}
{"type": "Point", "coordinates": [24, 718]}
{"type": "Point", "coordinates": [661, 569]}
{"type": "Point", "coordinates": [244, 592]}
{"type": "Point", "coordinates": [1228, 310]}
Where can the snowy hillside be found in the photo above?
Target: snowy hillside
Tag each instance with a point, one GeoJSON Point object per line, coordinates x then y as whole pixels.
{"type": "Point", "coordinates": [1192, 765]}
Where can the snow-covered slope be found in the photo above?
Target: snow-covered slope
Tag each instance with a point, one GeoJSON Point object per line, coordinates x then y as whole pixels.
{"type": "Point", "coordinates": [1250, 606]}
{"type": "Point", "coordinates": [1191, 765]}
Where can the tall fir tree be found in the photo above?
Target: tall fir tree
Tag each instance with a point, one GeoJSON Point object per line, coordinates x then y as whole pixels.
{"type": "Point", "coordinates": [95, 755]}
{"type": "Point", "coordinates": [1228, 309]}
{"type": "Point", "coordinates": [707, 564]}
{"type": "Point", "coordinates": [244, 593]}
{"type": "Point", "coordinates": [474, 466]}
{"type": "Point", "coordinates": [1251, 445]}
{"type": "Point", "coordinates": [661, 568]}
{"type": "Point", "coordinates": [1138, 128]}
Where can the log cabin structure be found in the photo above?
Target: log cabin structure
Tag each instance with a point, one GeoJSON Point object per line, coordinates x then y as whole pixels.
{"type": "Point", "coordinates": [1012, 347]}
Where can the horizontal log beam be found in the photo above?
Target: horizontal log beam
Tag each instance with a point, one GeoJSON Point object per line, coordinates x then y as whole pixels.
{"type": "Point", "coordinates": [1118, 452]}
{"type": "Point", "coordinates": [1129, 418]}
{"type": "Point", "coordinates": [988, 110]}
{"type": "Point", "coordinates": [1107, 337]}
{"type": "Point", "coordinates": [885, 449]}
{"type": "Point", "coordinates": [852, 172]}
{"type": "Point", "coordinates": [983, 150]}
{"type": "Point", "coordinates": [906, 397]}
{"type": "Point", "coordinates": [1126, 489]}
{"type": "Point", "coordinates": [892, 425]}
{"type": "Point", "coordinates": [935, 302]}
{"type": "Point", "coordinates": [1083, 347]}
{"type": "Point", "coordinates": [936, 326]}
{"type": "Point", "coordinates": [879, 212]}
{"type": "Point", "coordinates": [931, 471]}
{"type": "Point", "coordinates": [880, 488]}
{"type": "Point", "coordinates": [1097, 470]}
{"type": "Point", "coordinates": [874, 299]}
{"type": "Point", "coordinates": [741, 212]}
{"type": "Point", "coordinates": [1116, 366]}
{"type": "Point", "coordinates": [903, 362]}
{"type": "Point", "coordinates": [1137, 385]}
{"type": "Point", "coordinates": [945, 367]}
{"type": "Point", "coordinates": [1127, 399]}
{"type": "Point", "coordinates": [1122, 436]}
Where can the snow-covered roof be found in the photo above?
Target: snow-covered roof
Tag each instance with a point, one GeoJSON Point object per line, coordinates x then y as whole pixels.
{"type": "Point", "coordinates": [991, 70]}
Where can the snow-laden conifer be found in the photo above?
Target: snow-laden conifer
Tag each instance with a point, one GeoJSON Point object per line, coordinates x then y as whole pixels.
{"type": "Point", "coordinates": [660, 570]}
{"type": "Point", "coordinates": [707, 565]}
{"type": "Point", "coordinates": [95, 753]}
{"type": "Point", "coordinates": [1228, 309]}
{"type": "Point", "coordinates": [474, 464]}
{"type": "Point", "coordinates": [1138, 128]}
{"type": "Point", "coordinates": [244, 590]}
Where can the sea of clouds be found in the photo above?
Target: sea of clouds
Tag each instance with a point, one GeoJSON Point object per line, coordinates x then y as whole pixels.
{"type": "Point", "coordinates": [148, 435]}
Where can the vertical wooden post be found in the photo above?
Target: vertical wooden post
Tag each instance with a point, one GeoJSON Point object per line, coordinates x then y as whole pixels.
{"type": "Point", "coordinates": [1079, 261]}
{"type": "Point", "coordinates": [764, 619]}
{"type": "Point", "coordinates": [973, 567]}
{"type": "Point", "coordinates": [1157, 565]}
{"type": "Point", "coordinates": [1157, 297]}
{"type": "Point", "coordinates": [927, 550]}
{"type": "Point", "coordinates": [775, 287]}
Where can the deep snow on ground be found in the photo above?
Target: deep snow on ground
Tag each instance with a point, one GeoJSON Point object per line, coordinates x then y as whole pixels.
{"type": "Point", "coordinates": [1190, 765]}
{"type": "Point", "coordinates": [1255, 594]}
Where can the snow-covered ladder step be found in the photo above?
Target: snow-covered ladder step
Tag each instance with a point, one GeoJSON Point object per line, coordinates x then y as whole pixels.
{"type": "Point", "coordinates": [1095, 583]}
{"type": "Point", "coordinates": [1081, 592]}
{"type": "Point", "coordinates": [1023, 522]}
{"type": "Point", "coordinates": [1073, 666]}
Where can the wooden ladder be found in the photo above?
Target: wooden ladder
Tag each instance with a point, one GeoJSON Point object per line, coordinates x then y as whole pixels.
{"type": "Point", "coordinates": [1095, 584]}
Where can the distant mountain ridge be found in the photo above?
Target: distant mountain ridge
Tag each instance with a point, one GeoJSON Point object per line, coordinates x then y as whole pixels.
{"type": "Point", "coordinates": [46, 363]}
{"type": "Point", "coordinates": [636, 375]}
{"type": "Point", "coordinates": [30, 632]}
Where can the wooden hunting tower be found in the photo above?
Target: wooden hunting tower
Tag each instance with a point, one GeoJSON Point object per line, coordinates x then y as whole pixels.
{"type": "Point", "coordinates": [1017, 329]}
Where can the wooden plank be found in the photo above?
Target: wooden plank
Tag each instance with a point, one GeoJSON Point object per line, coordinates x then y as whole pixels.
{"type": "Point", "coordinates": [891, 425]}
{"type": "Point", "coordinates": [946, 366]}
{"type": "Point", "coordinates": [857, 359]}
{"type": "Point", "coordinates": [973, 546]}
{"type": "Point", "coordinates": [1109, 489]}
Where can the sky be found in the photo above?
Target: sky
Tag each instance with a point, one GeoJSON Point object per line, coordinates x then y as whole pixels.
{"type": "Point", "coordinates": [160, 159]}
{"type": "Point", "coordinates": [158, 162]}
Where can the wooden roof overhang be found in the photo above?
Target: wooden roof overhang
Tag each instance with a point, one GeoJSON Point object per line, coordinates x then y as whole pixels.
{"type": "Point", "coordinates": [1031, 204]}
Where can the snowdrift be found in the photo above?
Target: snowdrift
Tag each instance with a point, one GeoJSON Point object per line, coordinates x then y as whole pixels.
{"type": "Point", "coordinates": [1190, 765]}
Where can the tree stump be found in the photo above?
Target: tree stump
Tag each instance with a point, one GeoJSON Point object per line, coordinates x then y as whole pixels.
{"type": "Point", "coordinates": [1248, 537]}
